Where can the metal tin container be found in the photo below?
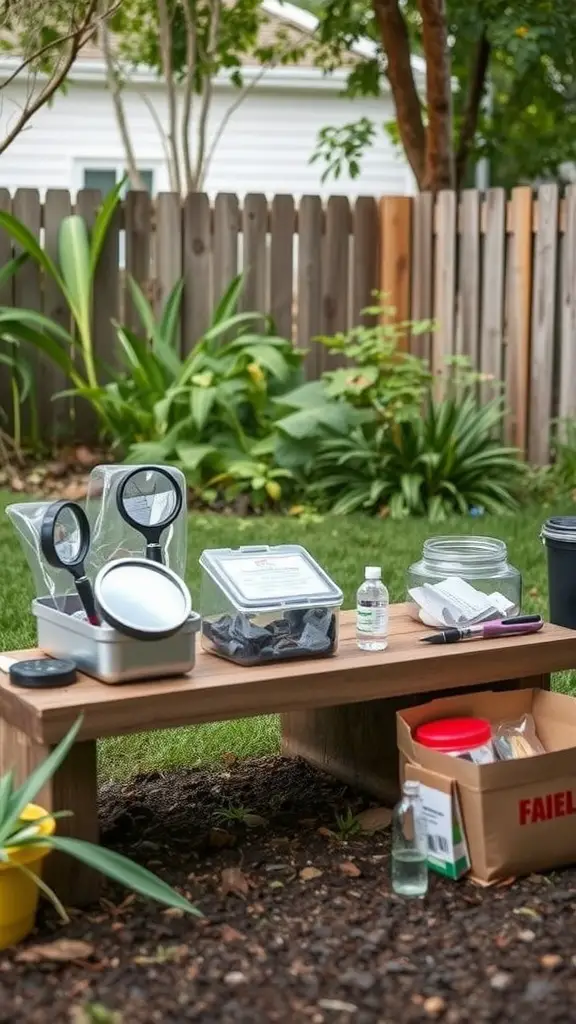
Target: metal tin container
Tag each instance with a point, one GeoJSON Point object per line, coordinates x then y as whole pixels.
{"type": "Point", "coordinates": [106, 654]}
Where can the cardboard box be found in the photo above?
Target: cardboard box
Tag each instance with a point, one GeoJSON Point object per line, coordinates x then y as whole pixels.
{"type": "Point", "coordinates": [518, 816]}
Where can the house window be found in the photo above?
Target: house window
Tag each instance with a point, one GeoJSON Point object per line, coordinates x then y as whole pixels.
{"type": "Point", "coordinates": [104, 179]}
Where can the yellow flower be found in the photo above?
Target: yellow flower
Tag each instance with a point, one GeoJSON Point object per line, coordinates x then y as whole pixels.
{"type": "Point", "coordinates": [273, 490]}
{"type": "Point", "coordinates": [256, 373]}
{"type": "Point", "coordinates": [522, 31]}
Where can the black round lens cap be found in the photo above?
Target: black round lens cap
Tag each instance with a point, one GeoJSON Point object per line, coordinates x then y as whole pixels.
{"type": "Point", "coordinates": [43, 673]}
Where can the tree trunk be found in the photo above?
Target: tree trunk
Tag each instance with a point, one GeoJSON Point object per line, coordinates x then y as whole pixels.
{"type": "Point", "coordinates": [396, 46]}
{"type": "Point", "coordinates": [439, 169]}
{"type": "Point", "coordinates": [476, 88]}
{"type": "Point", "coordinates": [115, 87]}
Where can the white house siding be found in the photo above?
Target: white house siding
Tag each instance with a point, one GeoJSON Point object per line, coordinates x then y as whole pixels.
{"type": "Point", "coordinates": [266, 146]}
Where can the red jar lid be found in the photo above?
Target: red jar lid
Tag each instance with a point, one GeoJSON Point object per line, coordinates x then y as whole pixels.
{"type": "Point", "coordinates": [449, 734]}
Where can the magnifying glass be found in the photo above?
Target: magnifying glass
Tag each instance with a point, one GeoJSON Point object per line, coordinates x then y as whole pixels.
{"type": "Point", "coordinates": [65, 542]}
{"type": "Point", "coordinates": [149, 499]}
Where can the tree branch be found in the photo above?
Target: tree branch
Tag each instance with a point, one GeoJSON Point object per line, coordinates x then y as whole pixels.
{"type": "Point", "coordinates": [226, 118]}
{"type": "Point", "coordinates": [113, 82]}
{"type": "Point", "coordinates": [165, 28]}
{"type": "Point", "coordinates": [216, 8]}
{"type": "Point", "coordinates": [396, 45]}
{"type": "Point", "coordinates": [439, 172]}
{"type": "Point", "coordinates": [157, 123]}
{"type": "Point", "coordinates": [77, 40]}
{"type": "Point", "coordinates": [191, 59]}
{"type": "Point", "coordinates": [476, 87]}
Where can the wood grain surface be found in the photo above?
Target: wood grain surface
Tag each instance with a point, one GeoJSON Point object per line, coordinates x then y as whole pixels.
{"type": "Point", "coordinates": [217, 690]}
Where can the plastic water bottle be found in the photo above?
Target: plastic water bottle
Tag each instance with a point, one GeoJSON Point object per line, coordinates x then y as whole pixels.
{"type": "Point", "coordinates": [372, 611]}
{"type": "Point", "coordinates": [409, 844]}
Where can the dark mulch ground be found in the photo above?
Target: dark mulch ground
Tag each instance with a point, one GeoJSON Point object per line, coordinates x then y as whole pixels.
{"type": "Point", "coordinates": [336, 948]}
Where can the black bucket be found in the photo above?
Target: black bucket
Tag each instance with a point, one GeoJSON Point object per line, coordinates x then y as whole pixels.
{"type": "Point", "coordinates": [559, 537]}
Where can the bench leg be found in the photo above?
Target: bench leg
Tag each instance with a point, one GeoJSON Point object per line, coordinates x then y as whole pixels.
{"type": "Point", "coordinates": [72, 788]}
{"type": "Point", "coordinates": [357, 742]}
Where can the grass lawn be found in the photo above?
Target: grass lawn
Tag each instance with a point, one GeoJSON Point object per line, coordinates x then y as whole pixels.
{"type": "Point", "coordinates": [342, 545]}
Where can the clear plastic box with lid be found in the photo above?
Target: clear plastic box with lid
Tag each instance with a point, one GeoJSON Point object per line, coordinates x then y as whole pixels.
{"type": "Point", "coordinates": [481, 563]}
{"type": "Point", "coordinates": [261, 604]}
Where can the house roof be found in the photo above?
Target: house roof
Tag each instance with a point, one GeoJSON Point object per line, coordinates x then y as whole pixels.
{"type": "Point", "coordinates": [307, 23]}
{"type": "Point", "coordinates": [296, 21]}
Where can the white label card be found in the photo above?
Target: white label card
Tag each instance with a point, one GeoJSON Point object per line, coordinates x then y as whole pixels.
{"type": "Point", "coordinates": [437, 808]}
{"type": "Point", "coordinates": [265, 577]}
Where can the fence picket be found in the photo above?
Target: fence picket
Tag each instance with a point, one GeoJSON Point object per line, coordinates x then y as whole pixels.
{"type": "Point", "coordinates": [85, 420]}
{"type": "Point", "coordinates": [567, 404]}
{"type": "Point", "coordinates": [395, 240]}
{"type": "Point", "coordinates": [543, 323]}
{"type": "Point", "coordinates": [309, 316]}
{"type": "Point", "coordinates": [226, 225]}
{"type": "Point", "coordinates": [492, 337]}
{"type": "Point", "coordinates": [422, 271]}
{"type": "Point", "coordinates": [282, 219]}
{"type": "Point", "coordinates": [168, 246]}
{"type": "Point", "coordinates": [197, 249]}
{"type": "Point", "coordinates": [137, 227]}
{"type": "Point", "coordinates": [365, 266]}
{"type": "Point", "coordinates": [335, 273]}
{"type": "Point", "coordinates": [468, 313]}
{"type": "Point", "coordinates": [107, 297]}
{"type": "Point", "coordinates": [28, 295]}
{"type": "Point", "coordinates": [444, 282]}
{"type": "Point", "coordinates": [6, 299]}
{"type": "Point", "coordinates": [254, 227]}
{"type": "Point", "coordinates": [519, 291]}
{"type": "Point", "coordinates": [55, 416]}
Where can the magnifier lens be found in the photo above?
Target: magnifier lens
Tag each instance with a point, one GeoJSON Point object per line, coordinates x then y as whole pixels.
{"type": "Point", "coordinates": [150, 498]}
{"type": "Point", "coordinates": [67, 537]}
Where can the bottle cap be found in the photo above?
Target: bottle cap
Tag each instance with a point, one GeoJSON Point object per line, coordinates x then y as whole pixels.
{"type": "Point", "coordinates": [43, 673]}
{"type": "Point", "coordinates": [372, 572]}
{"type": "Point", "coordinates": [411, 788]}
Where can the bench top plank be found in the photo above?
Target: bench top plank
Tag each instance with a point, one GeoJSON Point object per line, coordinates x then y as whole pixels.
{"type": "Point", "coordinates": [218, 690]}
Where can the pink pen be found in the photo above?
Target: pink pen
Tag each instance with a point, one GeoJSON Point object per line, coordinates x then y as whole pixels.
{"type": "Point", "coordinates": [514, 626]}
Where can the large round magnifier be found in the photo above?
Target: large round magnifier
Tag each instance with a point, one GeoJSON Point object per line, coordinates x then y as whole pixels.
{"type": "Point", "coordinates": [65, 542]}
{"type": "Point", "coordinates": [149, 499]}
{"type": "Point", "coordinates": [141, 598]}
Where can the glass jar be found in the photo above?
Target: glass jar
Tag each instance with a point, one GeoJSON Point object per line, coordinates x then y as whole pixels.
{"type": "Point", "coordinates": [482, 562]}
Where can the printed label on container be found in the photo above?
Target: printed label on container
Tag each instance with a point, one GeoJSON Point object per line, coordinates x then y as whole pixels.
{"type": "Point", "coordinates": [268, 577]}
{"type": "Point", "coordinates": [372, 619]}
{"type": "Point", "coordinates": [447, 849]}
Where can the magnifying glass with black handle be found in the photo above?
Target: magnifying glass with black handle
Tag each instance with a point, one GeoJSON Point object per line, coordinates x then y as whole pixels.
{"type": "Point", "coordinates": [149, 499]}
{"type": "Point", "coordinates": [65, 542]}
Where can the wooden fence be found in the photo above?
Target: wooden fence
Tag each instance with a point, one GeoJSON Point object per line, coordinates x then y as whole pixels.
{"type": "Point", "coordinates": [496, 272]}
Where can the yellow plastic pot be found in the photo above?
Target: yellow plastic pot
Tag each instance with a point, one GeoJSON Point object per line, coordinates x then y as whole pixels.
{"type": "Point", "coordinates": [18, 892]}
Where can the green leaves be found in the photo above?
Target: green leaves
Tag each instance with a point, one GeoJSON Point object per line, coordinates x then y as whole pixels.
{"type": "Point", "coordinates": [74, 257]}
{"type": "Point", "coordinates": [526, 131]}
{"type": "Point", "coordinates": [445, 461]}
{"type": "Point", "coordinates": [16, 831]}
{"type": "Point", "coordinates": [201, 402]}
{"type": "Point", "coordinates": [78, 255]}
{"type": "Point", "coordinates": [124, 871]}
{"type": "Point", "coordinates": [29, 244]}
{"type": "Point", "coordinates": [15, 802]}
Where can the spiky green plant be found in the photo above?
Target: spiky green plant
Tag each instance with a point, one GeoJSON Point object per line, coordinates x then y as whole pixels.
{"type": "Point", "coordinates": [18, 832]}
{"type": "Point", "coordinates": [449, 460]}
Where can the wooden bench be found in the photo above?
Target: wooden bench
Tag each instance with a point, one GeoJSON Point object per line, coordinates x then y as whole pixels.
{"type": "Point", "coordinates": [337, 712]}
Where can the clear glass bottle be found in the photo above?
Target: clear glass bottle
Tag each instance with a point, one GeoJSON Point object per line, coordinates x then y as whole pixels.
{"type": "Point", "coordinates": [481, 561]}
{"type": "Point", "coordinates": [409, 844]}
{"type": "Point", "coordinates": [372, 611]}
